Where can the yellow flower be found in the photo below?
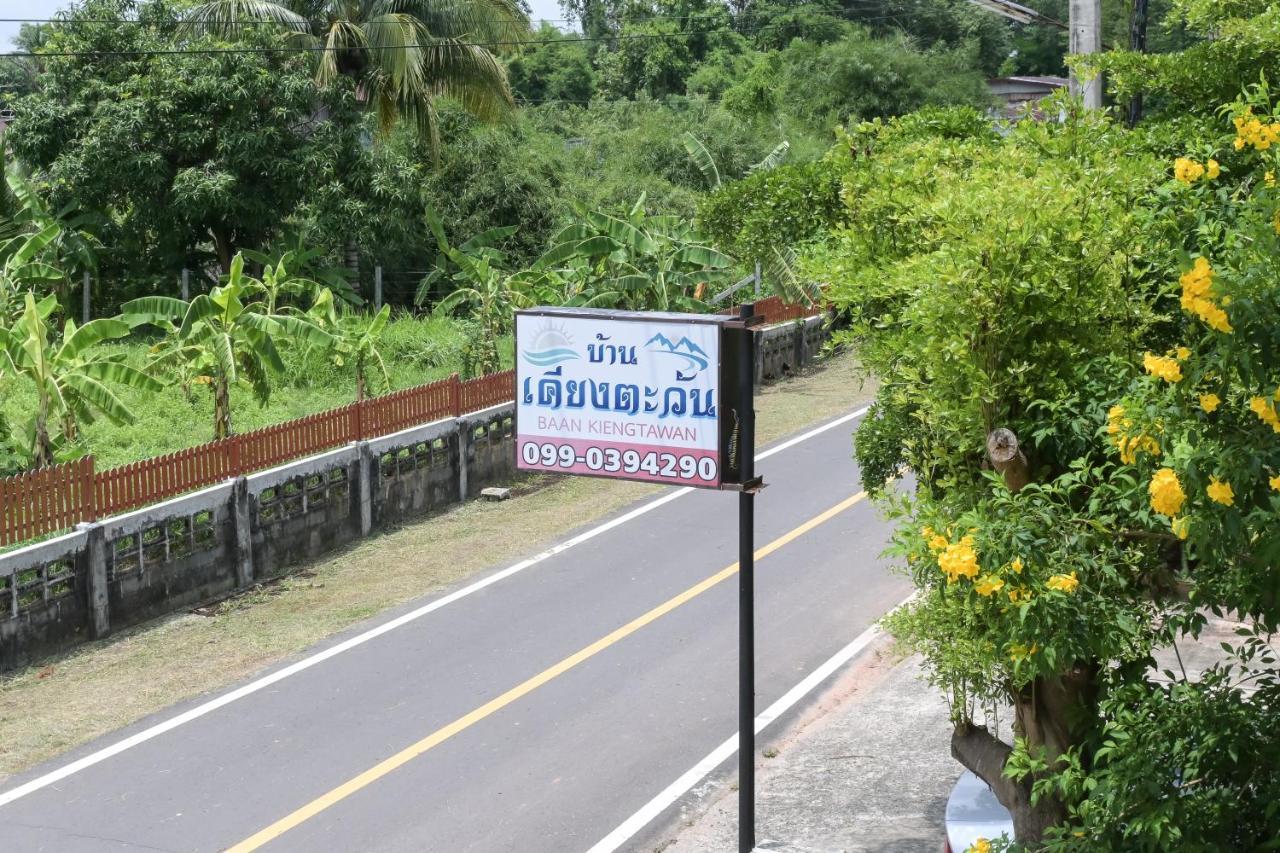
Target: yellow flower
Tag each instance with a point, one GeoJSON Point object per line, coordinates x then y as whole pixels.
{"type": "Point", "coordinates": [1239, 142]}
{"type": "Point", "coordinates": [1186, 170]}
{"type": "Point", "coordinates": [1269, 179]}
{"type": "Point", "coordinates": [988, 585]}
{"type": "Point", "coordinates": [1197, 297]}
{"type": "Point", "coordinates": [1266, 411]}
{"type": "Point", "coordinates": [1183, 353]}
{"type": "Point", "coordinates": [1018, 652]}
{"type": "Point", "coordinates": [1166, 492]}
{"type": "Point", "coordinates": [1063, 583]}
{"type": "Point", "coordinates": [1180, 526]}
{"type": "Point", "coordinates": [1020, 594]}
{"type": "Point", "coordinates": [1213, 170]}
{"type": "Point", "coordinates": [1220, 491]}
{"type": "Point", "coordinates": [982, 845]}
{"type": "Point", "coordinates": [959, 560]}
{"type": "Point", "coordinates": [1016, 565]}
{"type": "Point", "coordinates": [1167, 369]}
{"type": "Point", "coordinates": [1275, 482]}
{"type": "Point", "coordinates": [1210, 402]}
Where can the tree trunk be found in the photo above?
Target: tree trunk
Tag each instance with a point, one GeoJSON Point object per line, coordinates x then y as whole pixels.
{"type": "Point", "coordinates": [362, 389]}
{"type": "Point", "coordinates": [221, 408]}
{"type": "Point", "coordinates": [1052, 715]}
{"type": "Point", "coordinates": [42, 451]}
{"type": "Point", "coordinates": [223, 246]}
{"type": "Point", "coordinates": [70, 429]}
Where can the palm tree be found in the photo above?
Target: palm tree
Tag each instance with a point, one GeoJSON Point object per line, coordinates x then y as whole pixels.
{"type": "Point", "coordinates": [70, 376]}
{"type": "Point", "coordinates": [401, 54]}
{"type": "Point", "coordinates": [217, 338]}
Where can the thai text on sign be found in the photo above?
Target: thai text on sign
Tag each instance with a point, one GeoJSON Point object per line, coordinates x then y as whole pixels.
{"type": "Point", "coordinates": [615, 394]}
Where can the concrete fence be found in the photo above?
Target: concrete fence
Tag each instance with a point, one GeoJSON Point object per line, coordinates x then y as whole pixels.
{"type": "Point", "coordinates": [183, 552]}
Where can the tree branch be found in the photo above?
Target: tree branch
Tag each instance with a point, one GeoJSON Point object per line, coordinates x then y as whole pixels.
{"type": "Point", "coordinates": [1008, 458]}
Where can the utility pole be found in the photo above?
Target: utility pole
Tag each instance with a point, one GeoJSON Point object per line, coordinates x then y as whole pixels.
{"type": "Point", "coordinates": [84, 313]}
{"type": "Point", "coordinates": [1138, 44]}
{"type": "Point", "coordinates": [1085, 22]}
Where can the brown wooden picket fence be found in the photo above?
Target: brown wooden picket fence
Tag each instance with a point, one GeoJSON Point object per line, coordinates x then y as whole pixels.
{"type": "Point", "coordinates": [45, 500]}
{"type": "Point", "coordinates": [774, 310]}
{"type": "Point", "coordinates": [51, 499]}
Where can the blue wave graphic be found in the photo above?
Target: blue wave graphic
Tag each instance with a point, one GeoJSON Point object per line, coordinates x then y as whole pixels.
{"type": "Point", "coordinates": [548, 357]}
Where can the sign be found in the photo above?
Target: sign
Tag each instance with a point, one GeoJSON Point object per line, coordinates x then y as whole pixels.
{"type": "Point", "coordinates": [626, 395]}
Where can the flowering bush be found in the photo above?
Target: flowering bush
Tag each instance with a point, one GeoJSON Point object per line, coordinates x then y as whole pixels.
{"type": "Point", "coordinates": [1079, 352]}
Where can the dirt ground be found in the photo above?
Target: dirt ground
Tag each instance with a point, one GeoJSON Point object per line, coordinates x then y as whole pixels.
{"type": "Point", "coordinates": [70, 699]}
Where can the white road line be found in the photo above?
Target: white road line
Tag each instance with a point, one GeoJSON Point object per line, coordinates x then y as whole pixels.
{"type": "Point", "coordinates": [360, 639]}
{"type": "Point", "coordinates": [677, 789]}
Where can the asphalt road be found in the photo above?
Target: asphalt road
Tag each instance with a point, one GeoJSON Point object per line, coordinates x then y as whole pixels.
{"type": "Point", "coordinates": [535, 714]}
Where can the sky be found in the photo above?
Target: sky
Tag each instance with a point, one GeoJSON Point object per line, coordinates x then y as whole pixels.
{"type": "Point", "coordinates": [46, 8]}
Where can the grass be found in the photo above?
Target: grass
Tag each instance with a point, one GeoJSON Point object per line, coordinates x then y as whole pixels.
{"type": "Point", "coordinates": [416, 351]}
{"type": "Point", "coordinates": [73, 698]}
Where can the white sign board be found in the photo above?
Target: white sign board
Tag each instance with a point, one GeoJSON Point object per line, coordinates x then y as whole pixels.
{"type": "Point", "coordinates": [615, 394]}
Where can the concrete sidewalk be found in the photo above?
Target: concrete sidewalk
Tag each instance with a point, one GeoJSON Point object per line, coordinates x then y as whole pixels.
{"type": "Point", "coordinates": [866, 768]}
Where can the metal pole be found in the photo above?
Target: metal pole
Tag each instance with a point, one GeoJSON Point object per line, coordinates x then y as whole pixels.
{"type": "Point", "coordinates": [759, 281]}
{"type": "Point", "coordinates": [84, 318]}
{"type": "Point", "coordinates": [377, 288]}
{"type": "Point", "coordinates": [746, 596]}
{"type": "Point", "coordinates": [186, 284]}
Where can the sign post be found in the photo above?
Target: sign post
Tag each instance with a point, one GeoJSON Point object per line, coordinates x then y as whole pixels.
{"type": "Point", "coordinates": [658, 397]}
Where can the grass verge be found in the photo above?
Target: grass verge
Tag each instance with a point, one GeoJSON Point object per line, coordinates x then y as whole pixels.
{"type": "Point", "coordinates": [73, 698]}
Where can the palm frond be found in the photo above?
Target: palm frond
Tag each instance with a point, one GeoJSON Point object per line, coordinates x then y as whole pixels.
{"type": "Point", "coordinates": [231, 18]}
{"type": "Point", "coordinates": [474, 20]}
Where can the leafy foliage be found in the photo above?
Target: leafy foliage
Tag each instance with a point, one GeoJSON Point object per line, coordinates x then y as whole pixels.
{"type": "Point", "coordinates": [71, 376]}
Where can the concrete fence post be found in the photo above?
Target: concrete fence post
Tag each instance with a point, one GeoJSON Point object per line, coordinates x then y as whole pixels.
{"type": "Point", "coordinates": [186, 284]}
{"type": "Point", "coordinates": [465, 442]}
{"type": "Point", "coordinates": [242, 521]}
{"type": "Point", "coordinates": [365, 474]}
{"type": "Point", "coordinates": [85, 308]}
{"type": "Point", "coordinates": [95, 574]}
{"type": "Point", "coordinates": [377, 288]}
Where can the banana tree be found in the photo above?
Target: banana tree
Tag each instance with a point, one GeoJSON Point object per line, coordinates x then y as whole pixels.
{"type": "Point", "coordinates": [356, 342]}
{"type": "Point", "coordinates": [70, 375]}
{"type": "Point", "coordinates": [493, 296]}
{"type": "Point", "coordinates": [38, 245]}
{"type": "Point", "coordinates": [220, 339]}
{"type": "Point", "coordinates": [779, 267]}
{"type": "Point", "coordinates": [651, 262]}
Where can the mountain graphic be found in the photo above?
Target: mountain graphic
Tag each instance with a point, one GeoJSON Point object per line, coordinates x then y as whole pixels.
{"type": "Point", "coordinates": [695, 358]}
{"type": "Point", "coordinates": [683, 343]}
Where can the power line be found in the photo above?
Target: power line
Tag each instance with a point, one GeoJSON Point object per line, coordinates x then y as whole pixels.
{"type": "Point", "coordinates": [443, 42]}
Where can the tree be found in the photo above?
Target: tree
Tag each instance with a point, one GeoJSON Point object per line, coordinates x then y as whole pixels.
{"type": "Point", "coordinates": [189, 156]}
{"type": "Point", "coordinates": [220, 339]}
{"type": "Point", "coordinates": [1076, 343]}
{"type": "Point", "coordinates": [401, 54]}
{"type": "Point", "coordinates": [552, 70]}
{"type": "Point", "coordinates": [481, 283]}
{"type": "Point", "coordinates": [71, 377]}
{"type": "Point", "coordinates": [652, 262]}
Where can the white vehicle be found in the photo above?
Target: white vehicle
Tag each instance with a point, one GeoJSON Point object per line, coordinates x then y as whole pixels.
{"type": "Point", "coordinates": [973, 812]}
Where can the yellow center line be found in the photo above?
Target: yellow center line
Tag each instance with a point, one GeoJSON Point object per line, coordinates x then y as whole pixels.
{"type": "Point", "coordinates": [439, 736]}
